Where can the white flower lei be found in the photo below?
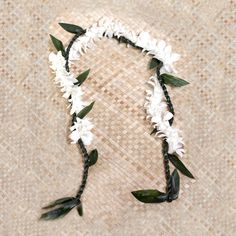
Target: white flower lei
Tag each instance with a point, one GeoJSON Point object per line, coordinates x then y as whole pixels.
{"type": "Point", "coordinates": [155, 104]}
{"type": "Point", "coordinates": [158, 106]}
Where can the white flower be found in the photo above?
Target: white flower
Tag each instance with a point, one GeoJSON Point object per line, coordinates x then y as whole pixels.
{"type": "Point", "coordinates": [157, 111]}
{"type": "Point", "coordinates": [175, 141]}
{"type": "Point", "coordinates": [58, 63]}
{"type": "Point", "coordinates": [95, 31]}
{"type": "Point", "coordinates": [143, 40]}
{"type": "Point", "coordinates": [63, 78]}
{"type": "Point", "coordinates": [76, 100]}
{"type": "Point", "coordinates": [164, 53]}
{"type": "Point", "coordinates": [81, 129]}
{"type": "Point", "coordinates": [131, 36]}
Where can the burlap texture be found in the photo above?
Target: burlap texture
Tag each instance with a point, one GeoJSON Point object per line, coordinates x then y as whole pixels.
{"type": "Point", "coordinates": [38, 164]}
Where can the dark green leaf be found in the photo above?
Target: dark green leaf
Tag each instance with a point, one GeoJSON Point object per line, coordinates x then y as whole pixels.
{"type": "Point", "coordinates": [72, 203]}
{"type": "Point", "coordinates": [74, 29]}
{"type": "Point", "coordinates": [58, 202]}
{"type": "Point", "coordinates": [149, 196]}
{"type": "Point", "coordinates": [175, 182]}
{"type": "Point", "coordinates": [180, 166]}
{"type": "Point", "coordinates": [56, 213]}
{"type": "Point", "coordinates": [93, 157]}
{"type": "Point", "coordinates": [85, 111]}
{"type": "Point", "coordinates": [58, 44]}
{"type": "Point", "coordinates": [172, 80]}
{"type": "Point", "coordinates": [154, 63]}
{"type": "Point", "coordinates": [82, 77]}
{"type": "Point", "coordinates": [80, 209]}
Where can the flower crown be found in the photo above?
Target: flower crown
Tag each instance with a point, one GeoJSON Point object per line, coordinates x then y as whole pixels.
{"type": "Point", "coordinates": [158, 105]}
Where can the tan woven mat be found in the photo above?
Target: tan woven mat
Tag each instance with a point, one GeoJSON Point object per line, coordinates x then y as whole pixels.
{"type": "Point", "coordinates": [38, 164]}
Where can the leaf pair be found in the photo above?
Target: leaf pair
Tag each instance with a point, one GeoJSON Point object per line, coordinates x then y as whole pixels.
{"type": "Point", "coordinates": [93, 157]}
{"type": "Point", "coordinates": [166, 78]}
{"type": "Point", "coordinates": [69, 28]}
{"type": "Point", "coordinates": [65, 205]}
{"type": "Point", "coordinates": [155, 196]}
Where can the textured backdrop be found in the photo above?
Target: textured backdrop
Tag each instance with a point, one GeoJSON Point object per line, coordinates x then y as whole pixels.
{"type": "Point", "coordinates": [39, 165]}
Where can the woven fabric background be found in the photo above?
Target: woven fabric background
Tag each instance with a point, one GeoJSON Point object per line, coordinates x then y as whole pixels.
{"type": "Point", "coordinates": [38, 164]}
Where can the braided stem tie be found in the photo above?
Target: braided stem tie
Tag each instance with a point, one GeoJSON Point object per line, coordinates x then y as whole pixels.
{"type": "Point", "coordinates": [164, 143]}
{"type": "Point", "coordinates": [67, 53]}
{"type": "Point", "coordinates": [169, 103]}
{"type": "Point", "coordinates": [167, 170]}
{"type": "Point", "coordinates": [86, 168]}
{"type": "Point", "coordinates": [80, 142]}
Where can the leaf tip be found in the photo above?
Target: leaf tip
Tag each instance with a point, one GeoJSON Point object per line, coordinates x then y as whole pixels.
{"type": "Point", "coordinates": [136, 194]}
{"type": "Point", "coordinates": [80, 209]}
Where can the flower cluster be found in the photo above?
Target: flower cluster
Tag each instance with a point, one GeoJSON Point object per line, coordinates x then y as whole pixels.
{"type": "Point", "coordinates": [66, 80]}
{"type": "Point", "coordinates": [109, 28]}
{"type": "Point", "coordinates": [157, 111]}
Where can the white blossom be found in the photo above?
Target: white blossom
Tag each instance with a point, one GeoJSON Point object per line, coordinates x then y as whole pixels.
{"type": "Point", "coordinates": [77, 104]}
{"type": "Point", "coordinates": [164, 54]}
{"type": "Point", "coordinates": [63, 78]}
{"type": "Point", "coordinates": [81, 129]}
{"type": "Point", "coordinates": [143, 40]}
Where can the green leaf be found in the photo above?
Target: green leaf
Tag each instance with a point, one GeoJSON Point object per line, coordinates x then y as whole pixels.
{"type": "Point", "coordinates": [175, 183]}
{"type": "Point", "coordinates": [56, 213]}
{"type": "Point", "coordinates": [93, 157]}
{"type": "Point", "coordinates": [80, 209]}
{"type": "Point", "coordinates": [58, 202]}
{"type": "Point", "coordinates": [180, 166]}
{"type": "Point", "coordinates": [172, 80]}
{"type": "Point", "coordinates": [58, 44]}
{"type": "Point", "coordinates": [155, 63]}
{"type": "Point", "coordinates": [150, 196]}
{"type": "Point", "coordinates": [82, 77]}
{"type": "Point", "coordinates": [74, 29]}
{"type": "Point", "coordinates": [85, 111]}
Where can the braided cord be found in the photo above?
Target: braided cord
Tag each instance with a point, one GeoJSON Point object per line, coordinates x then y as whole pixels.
{"type": "Point", "coordinates": [169, 103]}
{"type": "Point", "coordinates": [167, 169]}
{"type": "Point", "coordinates": [85, 171]}
{"type": "Point", "coordinates": [80, 142]}
{"type": "Point", "coordinates": [67, 53]}
{"type": "Point", "coordinates": [164, 143]}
